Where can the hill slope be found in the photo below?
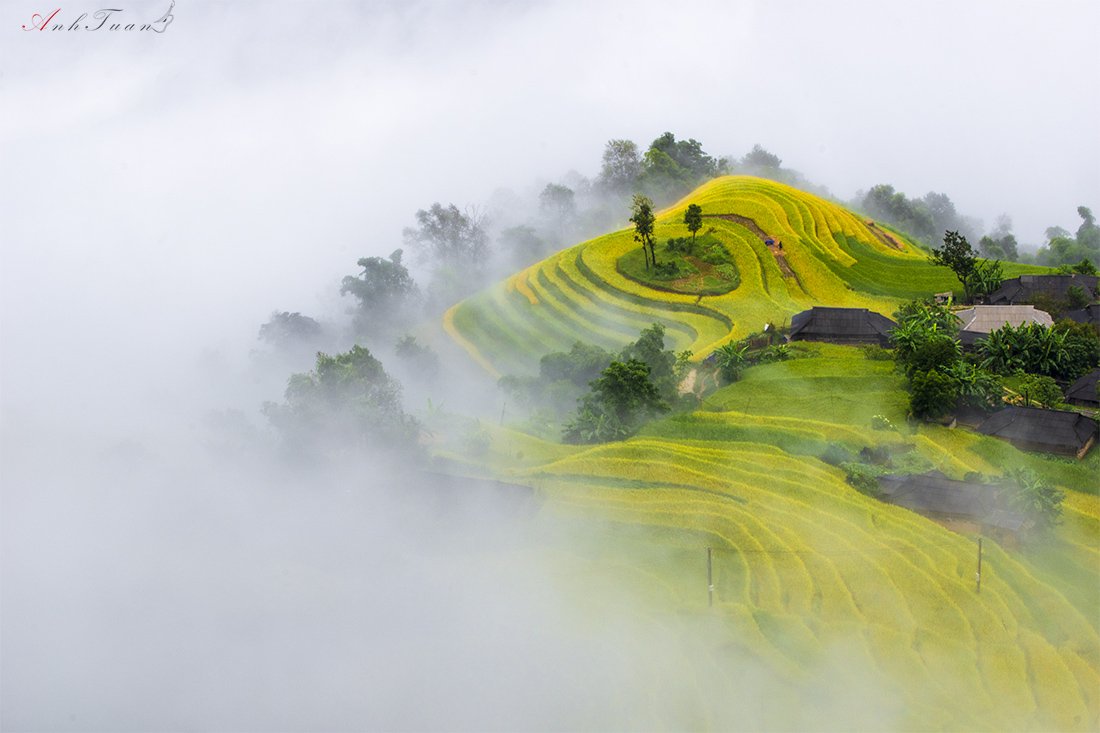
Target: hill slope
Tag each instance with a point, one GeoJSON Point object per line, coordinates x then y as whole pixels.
{"type": "Point", "coordinates": [805, 565]}
{"type": "Point", "coordinates": [830, 256]}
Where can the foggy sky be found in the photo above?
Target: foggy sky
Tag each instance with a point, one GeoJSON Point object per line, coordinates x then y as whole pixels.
{"type": "Point", "coordinates": [243, 160]}
{"type": "Point", "coordinates": [161, 195]}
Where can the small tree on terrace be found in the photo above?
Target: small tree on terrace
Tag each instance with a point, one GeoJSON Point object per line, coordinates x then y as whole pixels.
{"type": "Point", "coordinates": [693, 218]}
{"type": "Point", "coordinates": [643, 220]}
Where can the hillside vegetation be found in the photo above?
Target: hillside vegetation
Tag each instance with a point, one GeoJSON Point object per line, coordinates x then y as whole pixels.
{"type": "Point", "coordinates": [829, 256]}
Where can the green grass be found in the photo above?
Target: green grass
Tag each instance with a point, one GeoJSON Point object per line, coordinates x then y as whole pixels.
{"type": "Point", "coordinates": [703, 267]}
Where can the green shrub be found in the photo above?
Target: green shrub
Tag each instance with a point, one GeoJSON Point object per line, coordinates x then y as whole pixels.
{"type": "Point", "coordinates": [862, 478]}
{"type": "Point", "coordinates": [874, 352]}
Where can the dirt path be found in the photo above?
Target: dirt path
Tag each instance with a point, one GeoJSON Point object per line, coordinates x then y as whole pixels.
{"type": "Point", "coordinates": [780, 258]}
{"type": "Point", "coordinates": [688, 385]}
{"type": "Point", "coordinates": [884, 236]}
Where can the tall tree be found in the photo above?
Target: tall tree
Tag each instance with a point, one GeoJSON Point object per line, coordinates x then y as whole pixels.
{"type": "Point", "coordinates": [385, 291]}
{"type": "Point", "coordinates": [558, 202]}
{"type": "Point", "coordinates": [347, 403]}
{"type": "Point", "coordinates": [643, 220]}
{"type": "Point", "coordinates": [620, 399]}
{"type": "Point", "coordinates": [621, 166]}
{"type": "Point", "coordinates": [446, 236]}
{"type": "Point", "coordinates": [522, 245]}
{"type": "Point", "coordinates": [978, 277]}
{"type": "Point", "coordinates": [693, 219]}
{"type": "Point", "coordinates": [288, 330]}
{"type": "Point", "coordinates": [759, 159]}
{"type": "Point", "coordinates": [456, 246]}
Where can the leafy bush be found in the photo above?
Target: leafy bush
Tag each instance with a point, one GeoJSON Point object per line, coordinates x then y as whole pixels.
{"type": "Point", "coordinates": [862, 478]}
{"type": "Point", "coordinates": [1063, 352]}
{"type": "Point", "coordinates": [835, 455]}
{"type": "Point", "coordinates": [679, 244]}
{"type": "Point", "coordinates": [1034, 497]}
{"type": "Point", "coordinates": [419, 358]}
{"type": "Point", "coordinates": [715, 255]}
{"type": "Point", "coordinates": [1038, 390]}
{"type": "Point", "coordinates": [874, 352]}
{"type": "Point", "coordinates": [932, 394]}
{"type": "Point", "coordinates": [666, 270]}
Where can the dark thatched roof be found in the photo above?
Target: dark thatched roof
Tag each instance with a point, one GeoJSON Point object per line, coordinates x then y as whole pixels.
{"type": "Point", "coordinates": [1089, 314]}
{"type": "Point", "coordinates": [850, 324]}
{"type": "Point", "coordinates": [1054, 430]}
{"type": "Point", "coordinates": [935, 494]}
{"type": "Point", "coordinates": [1025, 287]}
{"type": "Point", "coordinates": [1083, 391]}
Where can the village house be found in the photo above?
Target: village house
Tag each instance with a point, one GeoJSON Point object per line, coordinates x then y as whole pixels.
{"type": "Point", "coordinates": [1083, 392]}
{"type": "Point", "coordinates": [962, 506]}
{"type": "Point", "coordinates": [1050, 431]}
{"type": "Point", "coordinates": [841, 326]}
{"type": "Point", "coordinates": [981, 320]}
{"type": "Point", "coordinates": [1089, 314]}
{"type": "Point", "coordinates": [1025, 288]}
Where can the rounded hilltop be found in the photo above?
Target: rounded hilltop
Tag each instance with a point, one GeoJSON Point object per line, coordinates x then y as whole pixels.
{"type": "Point", "coordinates": [765, 251]}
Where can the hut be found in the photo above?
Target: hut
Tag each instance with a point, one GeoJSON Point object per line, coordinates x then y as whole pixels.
{"type": "Point", "coordinates": [959, 505]}
{"type": "Point", "coordinates": [980, 320]}
{"type": "Point", "coordinates": [1025, 288]}
{"type": "Point", "coordinates": [1090, 314]}
{"type": "Point", "coordinates": [1083, 391]}
{"type": "Point", "coordinates": [841, 326]}
{"type": "Point", "coordinates": [1049, 431]}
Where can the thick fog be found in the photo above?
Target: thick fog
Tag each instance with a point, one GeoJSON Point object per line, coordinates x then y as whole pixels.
{"type": "Point", "coordinates": [162, 194]}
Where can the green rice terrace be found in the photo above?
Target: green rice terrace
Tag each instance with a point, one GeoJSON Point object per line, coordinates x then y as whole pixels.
{"type": "Point", "coordinates": [804, 564]}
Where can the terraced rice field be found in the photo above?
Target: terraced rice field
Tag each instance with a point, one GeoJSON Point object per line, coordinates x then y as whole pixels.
{"type": "Point", "coordinates": [810, 575]}
{"type": "Point", "coordinates": [805, 565]}
{"type": "Point", "coordinates": [833, 257]}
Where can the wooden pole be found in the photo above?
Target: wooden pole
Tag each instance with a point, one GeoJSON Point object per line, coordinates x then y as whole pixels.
{"type": "Point", "coordinates": [710, 580]}
{"type": "Point", "coordinates": [979, 574]}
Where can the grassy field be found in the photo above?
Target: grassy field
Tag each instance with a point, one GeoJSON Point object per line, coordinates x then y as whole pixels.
{"type": "Point", "coordinates": [812, 578]}
{"type": "Point", "coordinates": [805, 565]}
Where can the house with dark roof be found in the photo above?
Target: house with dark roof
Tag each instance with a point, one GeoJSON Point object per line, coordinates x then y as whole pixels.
{"type": "Point", "coordinates": [841, 326]}
{"type": "Point", "coordinates": [981, 320]}
{"type": "Point", "coordinates": [961, 505]}
{"type": "Point", "coordinates": [1083, 391]}
{"type": "Point", "coordinates": [1049, 431]}
{"type": "Point", "coordinates": [1023, 289]}
{"type": "Point", "coordinates": [1089, 314]}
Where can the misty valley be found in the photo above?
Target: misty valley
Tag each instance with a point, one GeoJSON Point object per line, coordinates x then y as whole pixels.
{"type": "Point", "coordinates": [393, 393]}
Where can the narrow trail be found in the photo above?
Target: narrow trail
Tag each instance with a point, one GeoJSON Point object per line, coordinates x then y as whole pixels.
{"type": "Point", "coordinates": [884, 236]}
{"type": "Point", "coordinates": [752, 226]}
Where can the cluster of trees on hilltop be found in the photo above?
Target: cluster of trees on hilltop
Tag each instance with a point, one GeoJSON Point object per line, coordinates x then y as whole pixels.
{"type": "Point", "coordinates": [576, 207]}
{"type": "Point", "coordinates": [925, 218]}
{"type": "Point", "coordinates": [1063, 249]}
